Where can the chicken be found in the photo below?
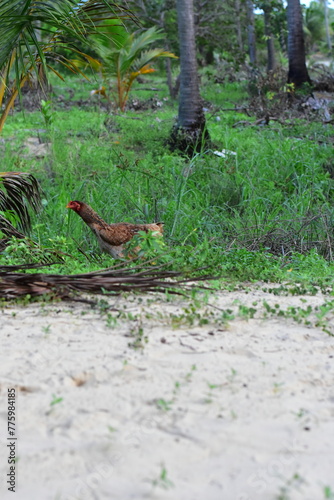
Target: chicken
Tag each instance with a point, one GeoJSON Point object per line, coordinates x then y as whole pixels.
{"type": "Point", "coordinates": [111, 237]}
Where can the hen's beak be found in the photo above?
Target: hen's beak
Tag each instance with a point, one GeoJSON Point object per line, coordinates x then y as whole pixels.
{"type": "Point", "coordinates": [68, 205]}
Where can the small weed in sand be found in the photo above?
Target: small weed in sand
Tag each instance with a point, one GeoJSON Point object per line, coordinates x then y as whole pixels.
{"type": "Point", "coordinates": [56, 400]}
{"type": "Point", "coordinates": [214, 386]}
{"type": "Point", "coordinates": [209, 397]}
{"type": "Point", "coordinates": [300, 413]}
{"type": "Point", "coordinates": [46, 329]}
{"type": "Point", "coordinates": [284, 495]}
{"type": "Point", "coordinates": [232, 375]}
{"type": "Point", "coordinates": [177, 386]}
{"type": "Point", "coordinates": [291, 484]}
{"type": "Point", "coordinates": [302, 315]}
{"type": "Point", "coordinates": [164, 405]}
{"type": "Point", "coordinates": [298, 289]}
{"type": "Point", "coordinates": [163, 480]}
{"type": "Point", "coordinates": [278, 386]}
{"type": "Point", "coordinates": [191, 316]}
{"type": "Point", "coordinates": [103, 306]}
{"type": "Point", "coordinates": [111, 321]}
{"type": "Point", "coordinates": [189, 375]}
{"type": "Point", "coordinates": [246, 312]}
{"type": "Point", "coordinates": [328, 493]}
{"type": "Point", "coordinates": [140, 339]}
{"type": "Point", "coordinates": [227, 315]}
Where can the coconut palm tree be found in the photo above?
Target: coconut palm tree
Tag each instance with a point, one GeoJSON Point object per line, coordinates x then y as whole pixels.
{"type": "Point", "coordinates": [190, 132]}
{"type": "Point", "coordinates": [62, 23]}
{"type": "Point", "coordinates": [18, 191]}
{"type": "Point", "coordinates": [125, 59]}
{"type": "Point", "coordinates": [267, 17]}
{"type": "Point", "coordinates": [298, 74]}
{"type": "Point", "coordinates": [251, 33]}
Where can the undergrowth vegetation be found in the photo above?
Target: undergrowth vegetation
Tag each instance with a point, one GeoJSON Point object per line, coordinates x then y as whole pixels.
{"type": "Point", "coordinates": [260, 209]}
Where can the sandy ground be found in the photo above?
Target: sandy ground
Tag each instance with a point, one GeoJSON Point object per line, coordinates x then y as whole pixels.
{"type": "Point", "coordinates": [235, 409]}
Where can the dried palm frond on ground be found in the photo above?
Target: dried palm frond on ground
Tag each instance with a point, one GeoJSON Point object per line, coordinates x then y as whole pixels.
{"type": "Point", "coordinates": [9, 231]}
{"type": "Point", "coordinates": [18, 191]}
{"type": "Point", "coordinates": [114, 280]}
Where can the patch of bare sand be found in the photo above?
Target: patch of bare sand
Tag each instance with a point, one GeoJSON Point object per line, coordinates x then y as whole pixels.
{"type": "Point", "coordinates": [236, 410]}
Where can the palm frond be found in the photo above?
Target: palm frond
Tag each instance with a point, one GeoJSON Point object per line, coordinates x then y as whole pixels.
{"type": "Point", "coordinates": [62, 23]}
{"type": "Point", "coordinates": [143, 39]}
{"type": "Point", "coordinates": [149, 55]}
{"type": "Point", "coordinates": [128, 60]}
{"type": "Point", "coordinates": [59, 19]}
{"type": "Point", "coordinates": [120, 57]}
{"type": "Point", "coordinates": [18, 191]}
{"type": "Point", "coordinates": [113, 280]}
{"type": "Point", "coordinates": [8, 229]}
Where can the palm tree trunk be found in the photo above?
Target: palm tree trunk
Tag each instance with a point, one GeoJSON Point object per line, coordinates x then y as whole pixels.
{"type": "Point", "coordinates": [189, 132]}
{"type": "Point", "coordinates": [238, 25]}
{"type": "Point", "coordinates": [296, 48]}
{"type": "Point", "coordinates": [328, 36]}
{"type": "Point", "coordinates": [251, 32]}
{"type": "Point", "coordinates": [281, 27]}
{"type": "Point", "coordinates": [169, 77]}
{"type": "Point", "coordinates": [190, 105]}
{"type": "Point", "coordinates": [271, 64]}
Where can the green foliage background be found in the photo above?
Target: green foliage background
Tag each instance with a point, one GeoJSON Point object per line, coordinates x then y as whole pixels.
{"type": "Point", "coordinates": [214, 208]}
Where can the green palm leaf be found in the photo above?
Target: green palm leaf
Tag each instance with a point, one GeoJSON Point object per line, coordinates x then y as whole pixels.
{"type": "Point", "coordinates": [61, 22]}
{"type": "Point", "coordinates": [58, 20]}
{"type": "Point", "coordinates": [139, 42]}
{"type": "Point", "coordinates": [119, 58]}
{"type": "Point", "coordinates": [128, 59]}
{"type": "Point", "coordinates": [148, 56]}
{"type": "Point", "coordinates": [18, 191]}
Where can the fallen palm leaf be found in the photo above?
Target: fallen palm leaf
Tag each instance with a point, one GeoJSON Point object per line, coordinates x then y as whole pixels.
{"type": "Point", "coordinates": [17, 191]}
{"type": "Point", "coordinates": [115, 281]}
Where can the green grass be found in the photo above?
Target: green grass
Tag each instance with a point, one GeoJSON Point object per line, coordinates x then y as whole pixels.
{"type": "Point", "coordinates": [265, 213]}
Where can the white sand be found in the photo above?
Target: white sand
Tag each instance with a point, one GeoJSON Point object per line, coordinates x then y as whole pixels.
{"type": "Point", "coordinates": [237, 411]}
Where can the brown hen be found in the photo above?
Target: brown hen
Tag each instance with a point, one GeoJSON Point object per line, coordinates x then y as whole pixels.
{"type": "Point", "coordinates": [111, 237]}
